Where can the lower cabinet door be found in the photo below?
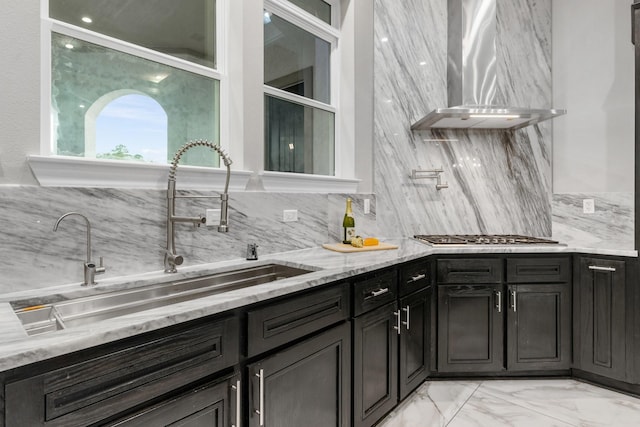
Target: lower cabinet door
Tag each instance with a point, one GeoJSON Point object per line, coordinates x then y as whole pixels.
{"type": "Point", "coordinates": [375, 376]}
{"type": "Point", "coordinates": [414, 340]}
{"type": "Point", "coordinates": [539, 327]}
{"type": "Point", "coordinates": [307, 384]}
{"type": "Point", "coordinates": [603, 324]}
{"type": "Point", "coordinates": [212, 405]}
{"type": "Point", "coordinates": [470, 328]}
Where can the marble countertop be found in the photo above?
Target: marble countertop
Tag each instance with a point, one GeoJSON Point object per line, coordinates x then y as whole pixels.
{"type": "Point", "coordinates": [18, 349]}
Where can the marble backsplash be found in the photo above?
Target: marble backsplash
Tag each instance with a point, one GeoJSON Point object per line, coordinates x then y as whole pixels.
{"type": "Point", "coordinates": [128, 230]}
{"type": "Point", "coordinates": [499, 181]}
{"type": "Point", "coordinates": [611, 226]}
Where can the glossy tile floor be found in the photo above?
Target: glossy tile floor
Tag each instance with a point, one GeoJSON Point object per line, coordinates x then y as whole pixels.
{"type": "Point", "coordinates": [519, 403]}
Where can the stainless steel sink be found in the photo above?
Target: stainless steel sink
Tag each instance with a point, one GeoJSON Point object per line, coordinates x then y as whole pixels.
{"type": "Point", "coordinates": [66, 314]}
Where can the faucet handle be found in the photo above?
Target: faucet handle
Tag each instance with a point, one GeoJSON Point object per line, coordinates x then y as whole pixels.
{"type": "Point", "coordinates": [101, 269]}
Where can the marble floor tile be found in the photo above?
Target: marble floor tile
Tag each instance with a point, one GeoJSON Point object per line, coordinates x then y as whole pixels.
{"type": "Point", "coordinates": [519, 403]}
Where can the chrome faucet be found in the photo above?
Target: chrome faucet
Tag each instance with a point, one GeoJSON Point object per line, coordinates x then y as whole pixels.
{"type": "Point", "coordinates": [171, 258]}
{"type": "Point", "coordinates": [90, 268]}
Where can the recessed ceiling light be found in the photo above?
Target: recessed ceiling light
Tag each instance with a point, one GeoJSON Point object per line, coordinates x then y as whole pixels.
{"type": "Point", "coordinates": [68, 46]}
{"type": "Point", "coordinates": [384, 39]}
{"type": "Point", "coordinates": [87, 20]}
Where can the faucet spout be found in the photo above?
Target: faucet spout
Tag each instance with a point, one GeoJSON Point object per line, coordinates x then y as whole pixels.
{"type": "Point", "coordinates": [171, 258]}
{"type": "Point", "coordinates": [90, 268]}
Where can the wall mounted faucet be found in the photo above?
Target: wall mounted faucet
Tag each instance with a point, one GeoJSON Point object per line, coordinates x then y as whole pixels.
{"type": "Point", "coordinates": [90, 268]}
{"type": "Point", "coordinates": [430, 174]}
{"type": "Point", "coordinates": [171, 258]}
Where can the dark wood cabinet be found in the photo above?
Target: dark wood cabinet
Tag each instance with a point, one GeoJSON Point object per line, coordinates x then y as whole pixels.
{"type": "Point", "coordinates": [470, 328]}
{"type": "Point", "coordinates": [602, 317]}
{"type": "Point", "coordinates": [306, 384]}
{"type": "Point", "coordinates": [126, 376]}
{"type": "Point", "coordinates": [375, 375]}
{"type": "Point", "coordinates": [216, 404]}
{"type": "Point", "coordinates": [487, 325]}
{"type": "Point", "coordinates": [539, 327]}
{"type": "Point", "coordinates": [415, 346]}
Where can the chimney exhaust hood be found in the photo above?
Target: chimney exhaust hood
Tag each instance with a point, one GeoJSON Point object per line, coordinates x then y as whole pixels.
{"type": "Point", "coordinates": [472, 77]}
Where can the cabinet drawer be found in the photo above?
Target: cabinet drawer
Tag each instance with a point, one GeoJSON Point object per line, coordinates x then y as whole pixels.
{"type": "Point", "coordinates": [95, 389]}
{"type": "Point", "coordinates": [279, 323]}
{"type": "Point", "coordinates": [538, 270]}
{"type": "Point", "coordinates": [469, 270]}
{"type": "Point", "coordinates": [413, 276]}
{"type": "Point", "coordinates": [374, 291]}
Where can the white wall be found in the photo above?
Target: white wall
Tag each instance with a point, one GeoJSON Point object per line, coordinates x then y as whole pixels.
{"type": "Point", "coordinates": [593, 78]}
{"type": "Point", "coordinates": [19, 89]}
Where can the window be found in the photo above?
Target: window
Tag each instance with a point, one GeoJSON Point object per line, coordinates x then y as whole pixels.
{"type": "Point", "coordinates": [300, 44]}
{"type": "Point", "coordinates": [123, 61]}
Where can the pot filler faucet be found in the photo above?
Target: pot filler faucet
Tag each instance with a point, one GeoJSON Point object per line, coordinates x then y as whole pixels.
{"type": "Point", "coordinates": [171, 258]}
{"type": "Point", "coordinates": [90, 269]}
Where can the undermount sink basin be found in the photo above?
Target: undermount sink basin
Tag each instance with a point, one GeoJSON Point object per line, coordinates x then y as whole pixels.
{"type": "Point", "coordinates": [53, 317]}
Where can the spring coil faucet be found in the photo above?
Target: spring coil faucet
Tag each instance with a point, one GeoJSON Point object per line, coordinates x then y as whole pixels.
{"type": "Point", "coordinates": [171, 258]}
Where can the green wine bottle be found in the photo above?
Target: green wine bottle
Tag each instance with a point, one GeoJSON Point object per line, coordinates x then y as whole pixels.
{"type": "Point", "coordinates": [348, 224]}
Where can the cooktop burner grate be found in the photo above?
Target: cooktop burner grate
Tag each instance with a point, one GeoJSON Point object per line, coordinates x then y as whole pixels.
{"type": "Point", "coordinates": [482, 239]}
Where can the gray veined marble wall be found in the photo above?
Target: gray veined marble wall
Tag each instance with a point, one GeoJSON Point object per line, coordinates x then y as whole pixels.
{"type": "Point", "coordinates": [499, 182]}
{"type": "Point", "coordinates": [128, 230]}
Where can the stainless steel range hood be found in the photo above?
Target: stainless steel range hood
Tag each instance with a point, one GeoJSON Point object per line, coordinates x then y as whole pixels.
{"type": "Point", "coordinates": [472, 77]}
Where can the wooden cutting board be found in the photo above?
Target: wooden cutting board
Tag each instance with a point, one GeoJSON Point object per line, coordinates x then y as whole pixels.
{"type": "Point", "coordinates": [341, 247]}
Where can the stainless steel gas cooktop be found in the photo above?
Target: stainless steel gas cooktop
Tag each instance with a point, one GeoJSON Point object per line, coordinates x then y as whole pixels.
{"type": "Point", "coordinates": [482, 239]}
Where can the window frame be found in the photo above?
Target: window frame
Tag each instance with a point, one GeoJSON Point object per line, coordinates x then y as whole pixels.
{"type": "Point", "coordinates": [331, 34]}
{"type": "Point", "coordinates": [44, 165]}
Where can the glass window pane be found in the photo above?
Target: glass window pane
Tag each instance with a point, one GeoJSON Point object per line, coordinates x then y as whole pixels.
{"type": "Point", "coordinates": [299, 138]}
{"type": "Point", "coordinates": [296, 60]}
{"type": "Point", "coordinates": [184, 28]}
{"type": "Point", "coordinates": [318, 8]}
{"type": "Point", "coordinates": [91, 83]}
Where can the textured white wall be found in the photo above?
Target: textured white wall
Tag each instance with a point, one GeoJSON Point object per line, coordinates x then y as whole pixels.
{"type": "Point", "coordinates": [19, 89]}
{"type": "Point", "coordinates": [593, 145]}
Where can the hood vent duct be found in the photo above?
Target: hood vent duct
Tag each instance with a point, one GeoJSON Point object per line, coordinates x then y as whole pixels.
{"type": "Point", "coordinates": [472, 76]}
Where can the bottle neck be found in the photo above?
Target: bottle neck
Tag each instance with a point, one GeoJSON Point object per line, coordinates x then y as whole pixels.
{"type": "Point", "coordinates": [349, 211]}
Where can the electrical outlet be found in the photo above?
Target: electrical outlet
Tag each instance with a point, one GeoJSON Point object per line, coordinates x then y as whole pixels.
{"type": "Point", "coordinates": [367, 206]}
{"type": "Point", "coordinates": [290, 215]}
{"type": "Point", "coordinates": [588, 206]}
{"type": "Point", "coordinates": [212, 217]}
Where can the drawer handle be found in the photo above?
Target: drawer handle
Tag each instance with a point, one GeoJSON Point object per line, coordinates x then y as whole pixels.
{"type": "Point", "coordinates": [598, 268]}
{"type": "Point", "coordinates": [416, 278]}
{"type": "Point", "coordinates": [379, 292]}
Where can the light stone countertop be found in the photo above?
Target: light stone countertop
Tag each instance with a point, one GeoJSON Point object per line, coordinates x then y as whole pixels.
{"type": "Point", "coordinates": [17, 349]}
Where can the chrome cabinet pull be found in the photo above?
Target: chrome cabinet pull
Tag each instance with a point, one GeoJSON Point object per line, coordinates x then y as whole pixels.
{"type": "Point", "coordinates": [514, 296]}
{"type": "Point", "coordinates": [499, 303]}
{"type": "Point", "coordinates": [236, 387]}
{"type": "Point", "coordinates": [598, 268]}
{"type": "Point", "coordinates": [406, 323]}
{"type": "Point", "coordinates": [261, 397]}
{"type": "Point", "coordinates": [397, 327]}
{"type": "Point", "coordinates": [416, 278]}
{"type": "Point", "coordinates": [379, 292]}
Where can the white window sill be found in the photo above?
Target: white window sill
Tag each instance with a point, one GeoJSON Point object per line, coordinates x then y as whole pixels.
{"type": "Point", "coordinates": [286, 182]}
{"type": "Point", "coordinates": [63, 171]}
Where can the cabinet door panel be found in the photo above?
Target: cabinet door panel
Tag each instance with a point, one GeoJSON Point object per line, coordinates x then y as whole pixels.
{"type": "Point", "coordinates": [539, 327]}
{"type": "Point", "coordinates": [414, 340]}
{"type": "Point", "coordinates": [308, 382]}
{"type": "Point", "coordinates": [470, 328]}
{"type": "Point", "coordinates": [375, 365]}
{"type": "Point", "coordinates": [602, 317]}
